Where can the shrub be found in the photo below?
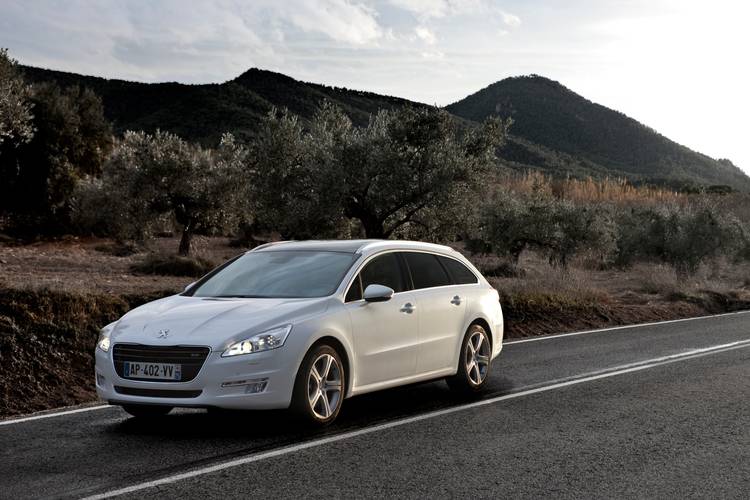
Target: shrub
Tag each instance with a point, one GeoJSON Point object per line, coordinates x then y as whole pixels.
{"type": "Point", "coordinates": [173, 265]}
{"type": "Point", "coordinates": [512, 223]}
{"type": "Point", "coordinates": [683, 237]}
{"type": "Point", "coordinates": [504, 270]}
{"type": "Point", "coordinates": [118, 249]}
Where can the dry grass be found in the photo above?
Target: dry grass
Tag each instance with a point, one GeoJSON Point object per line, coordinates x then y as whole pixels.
{"type": "Point", "coordinates": [643, 283]}
{"type": "Point", "coordinates": [589, 190]}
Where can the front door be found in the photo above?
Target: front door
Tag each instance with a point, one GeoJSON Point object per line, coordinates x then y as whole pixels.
{"type": "Point", "coordinates": [385, 334]}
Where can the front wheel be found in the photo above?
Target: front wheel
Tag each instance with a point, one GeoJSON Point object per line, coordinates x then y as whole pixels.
{"type": "Point", "coordinates": [473, 362]}
{"type": "Point", "coordinates": [147, 411]}
{"type": "Point", "coordinates": [319, 387]}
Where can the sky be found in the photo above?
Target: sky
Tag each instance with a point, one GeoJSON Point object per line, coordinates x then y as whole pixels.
{"type": "Point", "coordinates": [679, 66]}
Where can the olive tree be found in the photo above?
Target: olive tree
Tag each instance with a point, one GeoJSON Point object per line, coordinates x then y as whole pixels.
{"type": "Point", "coordinates": [682, 236]}
{"type": "Point", "coordinates": [72, 139]}
{"type": "Point", "coordinates": [410, 161]}
{"type": "Point", "coordinates": [15, 108]}
{"type": "Point", "coordinates": [152, 176]}
{"type": "Point", "coordinates": [289, 179]}
{"type": "Point", "coordinates": [408, 167]}
{"type": "Point", "coordinates": [513, 222]}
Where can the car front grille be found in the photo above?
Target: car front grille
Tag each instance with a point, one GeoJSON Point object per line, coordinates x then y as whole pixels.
{"type": "Point", "coordinates": [190, 357]}
{"type": "Point", "coordinates": [157, 393]}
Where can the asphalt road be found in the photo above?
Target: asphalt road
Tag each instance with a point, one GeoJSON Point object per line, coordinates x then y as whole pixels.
{"type": "Point", "coordinates": [650, 411]}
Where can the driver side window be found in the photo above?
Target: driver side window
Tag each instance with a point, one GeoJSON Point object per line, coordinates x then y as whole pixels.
{"type": "Point", "coordinates": [382, 270]}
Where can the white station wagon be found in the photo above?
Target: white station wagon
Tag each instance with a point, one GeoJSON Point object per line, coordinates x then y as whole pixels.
{"type": "Point", "coordinates": [305, 324]}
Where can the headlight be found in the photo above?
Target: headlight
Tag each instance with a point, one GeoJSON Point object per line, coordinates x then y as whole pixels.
{"type": "Point", "coordinates": [265, 341]}
{"type": "Point", "coordinates": [103, 342]}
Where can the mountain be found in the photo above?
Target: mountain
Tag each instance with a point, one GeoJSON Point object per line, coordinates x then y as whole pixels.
{"type": "Point", "coordinates": [555, 130]}
{"type": "Point", "coordinates": [545, 113]}
{"type": "Point", "coordinates": [204, 112]}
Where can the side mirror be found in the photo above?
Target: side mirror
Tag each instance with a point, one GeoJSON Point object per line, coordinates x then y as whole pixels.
{"type": "Point", "coordinates": [378, 293]}
{"type": "Point", "coordinates": [189, 286]}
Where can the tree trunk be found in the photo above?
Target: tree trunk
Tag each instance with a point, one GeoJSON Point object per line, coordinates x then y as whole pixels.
{"type": "Point", "coordinates": [373, 228]}
{"type": "Point", "coordinates": [186, 240]}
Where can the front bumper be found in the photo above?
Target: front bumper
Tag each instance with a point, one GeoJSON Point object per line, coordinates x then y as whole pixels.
{"type": "Point", "coordinates": [206, 390]}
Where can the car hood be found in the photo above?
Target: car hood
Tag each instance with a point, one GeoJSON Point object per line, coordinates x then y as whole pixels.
{"type": "Point", "coordinates": [215, 322]}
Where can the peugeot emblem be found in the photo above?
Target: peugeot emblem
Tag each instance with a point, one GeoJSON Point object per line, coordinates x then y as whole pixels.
{"type": "Point", "coordinates": [162, 334]}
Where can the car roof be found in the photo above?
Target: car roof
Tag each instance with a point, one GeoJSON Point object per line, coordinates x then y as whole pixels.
{"type": "Point", "coordinates": [351, 246]}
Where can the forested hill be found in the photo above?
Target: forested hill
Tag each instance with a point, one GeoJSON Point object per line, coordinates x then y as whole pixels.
{"type": "Point", "coordinates": [555, 130]}
{"type": "Point", "coordinates": [547, 113]}
{"type": "Point", "coordinates": [204, 112]}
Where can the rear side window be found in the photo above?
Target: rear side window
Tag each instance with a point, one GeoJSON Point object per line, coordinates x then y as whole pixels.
{"type": "Point", "coordinates": [426, 271]}
{"type": "Point", "coordinates": [460, 274]}
{"type": "Point", "coordinates": [382, 270]}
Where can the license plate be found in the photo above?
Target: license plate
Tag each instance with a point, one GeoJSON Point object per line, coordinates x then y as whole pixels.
{"type": "Point", "coordinates": [156, 371]}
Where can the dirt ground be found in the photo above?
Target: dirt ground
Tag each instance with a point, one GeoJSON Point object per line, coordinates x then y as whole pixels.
{"type": "Point", "coordinates": [542, 299]}
{"type": "Point", "coordinates": [83, 265]}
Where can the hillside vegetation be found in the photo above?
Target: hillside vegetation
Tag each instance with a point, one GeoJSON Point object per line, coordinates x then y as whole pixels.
{"type": "Point", "coordinates": [555, 130]}
{"type": "Point", "coordinates": [546, 113]}
{"type": "Point", "coordinates": [202, 113]}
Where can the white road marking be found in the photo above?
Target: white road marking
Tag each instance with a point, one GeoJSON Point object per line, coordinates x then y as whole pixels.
{"type": "Point", "coordinates": [53, 414]}
{"type": "Point", "coordinates": [629, 368]}
{"type": "Point", "coordinates": [622, 327]}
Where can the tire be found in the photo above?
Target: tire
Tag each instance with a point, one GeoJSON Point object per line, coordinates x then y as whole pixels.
{"type": "Point", "coordinates": [473, 364]}
{"type": "Point", "coordinates": [315, 403]}
{"type": "Point", "coordinates": [147, 411]}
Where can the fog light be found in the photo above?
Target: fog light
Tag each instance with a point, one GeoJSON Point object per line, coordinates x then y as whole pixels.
{"type": "Point", "coordinates": [251, 386]}
{"type": "Point", "coordinates": [100, 380]}
{"type": "Point", "coordinates": [255, 387]}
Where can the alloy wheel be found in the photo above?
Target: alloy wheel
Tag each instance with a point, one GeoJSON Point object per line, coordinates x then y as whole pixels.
{"type": "Point", "coordinates": [477, 357]}
{"type": "Point", "coordinates": [324, 386]}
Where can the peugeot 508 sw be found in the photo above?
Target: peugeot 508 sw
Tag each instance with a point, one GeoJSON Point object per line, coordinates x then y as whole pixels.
{"type": "Point", "coordinates": [305, 325]}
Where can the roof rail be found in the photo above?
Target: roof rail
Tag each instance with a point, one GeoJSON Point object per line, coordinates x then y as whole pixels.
{"type": "Point", "coordinates": [269, 244]}
{"type": "Point", "coordinates": [406, 244]}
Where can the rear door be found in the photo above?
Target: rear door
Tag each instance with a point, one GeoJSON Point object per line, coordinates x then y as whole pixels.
{"type": "Point", "coordinates": [441, 311]}
{"type": "Point", "coordinates": [385, 333]}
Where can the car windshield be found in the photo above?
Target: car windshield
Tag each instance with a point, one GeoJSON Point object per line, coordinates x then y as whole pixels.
{"type": "Point", "coordinates": [278, 274]}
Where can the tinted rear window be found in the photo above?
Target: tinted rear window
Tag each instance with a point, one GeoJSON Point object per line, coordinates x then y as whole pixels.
{"type": "Point", "coordinates": [460, 274]}
{"type": "Point", "coordinates": [426, 271]}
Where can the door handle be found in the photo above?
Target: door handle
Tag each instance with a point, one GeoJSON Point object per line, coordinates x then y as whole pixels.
{"type": "Point", "coordinates": [456, 300]}
{"type": "Point", "coordinates": [408, 308]}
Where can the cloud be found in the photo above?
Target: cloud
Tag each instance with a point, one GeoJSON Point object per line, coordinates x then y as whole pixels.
{"type": "Point", "coordinates": [433, 54]}
{"type": "Point", "coordinates": [426, 35]}
{"type": "Point", "coordinates": [511, 20]}
{"type": "Point", "coordinates": [424, 8]}
{"type": "Point", "coordinates": [341, 20]}
{"type": "Point", "coordinates": [211, 41]}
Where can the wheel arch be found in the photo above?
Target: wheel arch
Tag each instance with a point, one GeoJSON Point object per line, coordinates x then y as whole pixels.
{"type": "Point", "coordinates": [484, 324]}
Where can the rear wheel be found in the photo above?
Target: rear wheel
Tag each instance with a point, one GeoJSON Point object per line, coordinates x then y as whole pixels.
{"type": "Point", "coordinates": [147, 411]}
{"type": "Point", "coordinates": [473, 362]}
{"type": "Point", "coordinates": [319, 387]}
